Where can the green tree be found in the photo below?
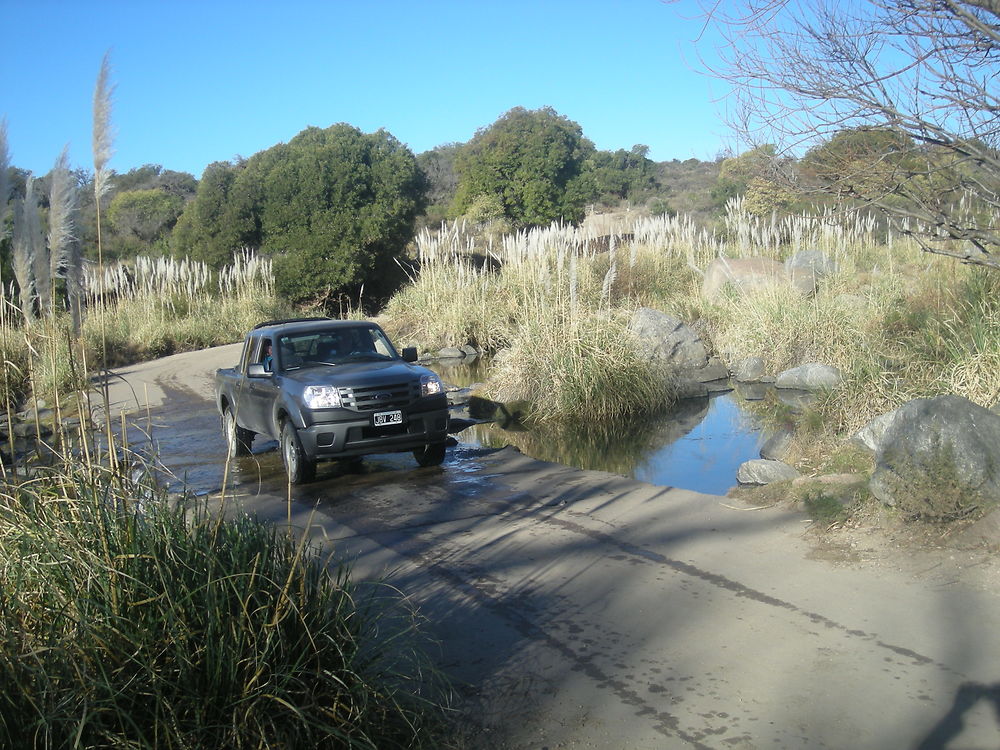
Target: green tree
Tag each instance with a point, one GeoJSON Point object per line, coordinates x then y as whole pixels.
{"type": "Point", "coordinates": [332, 207]}
{"type": "Point", "coordinates": [535, 161]}
{"type": "Point", "coordinates": [624, 175]}
{"type": "Point", "coordinates": [204, 230]}
{"type": "Point", "coordinates": [144, 215]}
{"type": "Point", "coordinates": [438, 166]}
{"type": "Point", "coordinates": [858, 158]}
{"type": "Point", "coordinates": [754, 174]}
{"type": "Point", "coordinates": [153, 176]}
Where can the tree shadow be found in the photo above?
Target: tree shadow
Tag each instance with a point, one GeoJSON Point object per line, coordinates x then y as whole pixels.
{"type": "Point", "coordinates": [952, 724]}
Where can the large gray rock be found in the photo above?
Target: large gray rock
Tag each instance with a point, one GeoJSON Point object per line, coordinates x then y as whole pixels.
{"type": "Point", "coordinates": [776, 447]}
{"type": "Point", "coordinates": [809, 377]}
{"type": "Point", "coordinates": [870, 436]}
{"type": "Point", "coordinates": [716, 369]}
{"type": "Point", "coordinates": [939, 459]}
{"type": "Point", "coordinates": [811, 264]}
{"type": "Point", "coordinates": [749, 370]}
{"type": "Point", "coordinates": [762, 471]}
{"type": "Point", "coordinates": [668, 340]}
{"type": "Point", "coordinates": [741, 273]}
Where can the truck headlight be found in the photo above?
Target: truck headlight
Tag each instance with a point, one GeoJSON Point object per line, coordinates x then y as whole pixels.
{"type": "Point", "coordinates": [430, 384]}
{"type": "Point", "coordinates": [321, 397]}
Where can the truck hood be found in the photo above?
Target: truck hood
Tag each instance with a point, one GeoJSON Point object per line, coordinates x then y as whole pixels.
{"type": "Point", "coordinates": [364, 373]}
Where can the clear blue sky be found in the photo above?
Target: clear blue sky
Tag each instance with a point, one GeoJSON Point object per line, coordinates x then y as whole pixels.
{"type": "Point", "coordinates": [197, 82]}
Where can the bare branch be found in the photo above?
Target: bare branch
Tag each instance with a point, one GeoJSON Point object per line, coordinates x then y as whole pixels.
{"type": "Point", "coordinates": [805, 71]}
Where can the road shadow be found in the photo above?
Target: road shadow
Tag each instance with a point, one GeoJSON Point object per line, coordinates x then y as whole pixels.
{"type": "Point", "coordinates": [953, 723]}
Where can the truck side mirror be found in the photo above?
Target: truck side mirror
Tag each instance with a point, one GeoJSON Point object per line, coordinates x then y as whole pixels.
{"type": "Point", "coordinates": [410, 354]}
{"type": "Point", "coordinates": [256, 370]}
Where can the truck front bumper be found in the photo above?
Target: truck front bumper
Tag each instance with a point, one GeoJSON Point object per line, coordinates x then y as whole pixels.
{"type": "Point", "coordinates": [358, 436]}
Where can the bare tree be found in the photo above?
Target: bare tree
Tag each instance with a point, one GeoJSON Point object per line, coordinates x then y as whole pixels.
{"type": "Point", "coordinates": [923, 71]}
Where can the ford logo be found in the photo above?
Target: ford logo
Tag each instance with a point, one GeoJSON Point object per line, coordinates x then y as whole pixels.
{"type": "Point", "coordinates": [382, 396]}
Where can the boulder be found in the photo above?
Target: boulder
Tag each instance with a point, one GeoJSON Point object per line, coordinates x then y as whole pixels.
{"type": "Point", "coordinates": [811, 266]}
{"type": "Point", "coordinates": [668, 340]}
{"type": "Point", "coordinates": [939, 459]}
{"type": "Point", "coordinates": [809, 377]}
{"type": "Point", "coordinates": [451, 352]}
{"type": "Point", "coordinates": [715, 370]}
{"type": "Point", "coordinates": [741, 273]}
{"type": "Point", "coordinates": [749, 370]}
{"type": "Point", "coordinates": [686, 388]}
{"type": "Point", "coordinates": [28, 430]}
{"type": "Point", "coordinates": [775, 448]}
{"type": "Point", "coordinates": [763, 471]}
{"type": "Point", "coordinates": [795, 399]}
{"type": "Point", "coordinates": [870, 436]}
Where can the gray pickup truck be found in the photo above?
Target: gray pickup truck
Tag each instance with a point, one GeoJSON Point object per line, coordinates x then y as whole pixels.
{"type": "Point", "coordinates": [330, 389]}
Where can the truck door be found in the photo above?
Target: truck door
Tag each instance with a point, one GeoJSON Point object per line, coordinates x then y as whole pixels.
{"type": "Point", "coordinates": [259, 392]}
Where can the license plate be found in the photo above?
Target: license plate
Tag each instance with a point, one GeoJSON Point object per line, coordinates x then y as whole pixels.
{"type": "Point", "coordinates": [382, 418]}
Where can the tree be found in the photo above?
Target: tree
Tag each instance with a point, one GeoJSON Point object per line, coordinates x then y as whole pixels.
{"type": "Point", "coordinates": [332, 207]}
{"type": "Point", "coordinates": [145, 215]}
{"type": "Point", "coordinates": [620, 175]}
{"type": "Point", "coordinates": [203, 230]}
{"type": "Point", "coordinates": [754, 174]}
{"type": "Point", "coordinates": [154, 176]}
{"type": "Point", "coordinates": [923, 72]}
{"type": "Point", "coordinates": [438, 166]}
{"type": "Point", "coordinates": [535, 161]}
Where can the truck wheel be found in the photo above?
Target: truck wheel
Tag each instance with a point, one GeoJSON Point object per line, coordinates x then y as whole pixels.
{"type": "Point", "coordinates": [430, 455]}
{"type": "Point", "coordinates": [238, 440]}
{"type": "Point", "coordinates": [298, 466]}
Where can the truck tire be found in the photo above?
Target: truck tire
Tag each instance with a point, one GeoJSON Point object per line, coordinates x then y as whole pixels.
{"type": "Point", "coordinates": [238, 440]}
{"type": "Point", "coordinates": [299, 467]}
{"type": "Point", "coordinates": [430, 455]}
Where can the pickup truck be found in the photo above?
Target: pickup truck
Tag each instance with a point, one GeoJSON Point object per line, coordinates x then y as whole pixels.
{"type": "Point", "coordinates": [330, 389]}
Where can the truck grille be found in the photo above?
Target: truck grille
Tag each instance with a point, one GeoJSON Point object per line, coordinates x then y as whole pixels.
{"type": "Point", "coordinates": [380, 397]}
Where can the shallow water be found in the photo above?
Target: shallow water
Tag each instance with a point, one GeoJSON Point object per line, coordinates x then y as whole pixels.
{"type": "Point", "coordinates": [697, 446]}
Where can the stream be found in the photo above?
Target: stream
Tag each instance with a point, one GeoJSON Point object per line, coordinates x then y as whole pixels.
{"type": "Point", "coordinates": [698, 445]}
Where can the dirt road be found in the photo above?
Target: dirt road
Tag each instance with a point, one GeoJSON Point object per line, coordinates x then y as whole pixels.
{"type": "Point", "coordinates": [585, 610]}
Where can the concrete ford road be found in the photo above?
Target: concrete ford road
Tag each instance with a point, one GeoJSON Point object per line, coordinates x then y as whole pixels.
{"type": "Point", "coordinates": [328, 389]}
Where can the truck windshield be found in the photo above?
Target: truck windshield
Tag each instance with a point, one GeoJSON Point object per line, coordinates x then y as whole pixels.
{"type": "Point", "coordinates": [334, 346]}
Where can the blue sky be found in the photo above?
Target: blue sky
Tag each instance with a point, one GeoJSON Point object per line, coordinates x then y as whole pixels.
{"type": "Point", "coordinates": [197, 82]}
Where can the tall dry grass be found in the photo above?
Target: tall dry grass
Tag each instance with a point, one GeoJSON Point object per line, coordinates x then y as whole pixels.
{"type": "Point", "coordinates": [553, 298]}
{"type": "Point", "coordinates": [898, 322]}
{"type": "Point", "coordinates": [151, 308]}
{"type": "Point", "coordinates": [131, 621]}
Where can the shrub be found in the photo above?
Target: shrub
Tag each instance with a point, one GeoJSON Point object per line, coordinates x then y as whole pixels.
{"type": "Point", "coordinates": [586, 367]}
{"type": "Point", "coordinates": [128, 625]}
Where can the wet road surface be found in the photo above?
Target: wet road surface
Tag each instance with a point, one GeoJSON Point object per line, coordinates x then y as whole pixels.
{"type": "Point", "coordinates": [586, 610]}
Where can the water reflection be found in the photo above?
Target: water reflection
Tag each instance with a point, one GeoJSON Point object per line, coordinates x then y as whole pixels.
{"type": "Point", "coordinates": [697, 446]}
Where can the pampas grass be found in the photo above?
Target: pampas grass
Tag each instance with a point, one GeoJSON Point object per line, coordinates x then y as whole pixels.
{"type": "Point", "coordinates": [4, 180]}
{"type": "Point", "coordinates": [27, 249]}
